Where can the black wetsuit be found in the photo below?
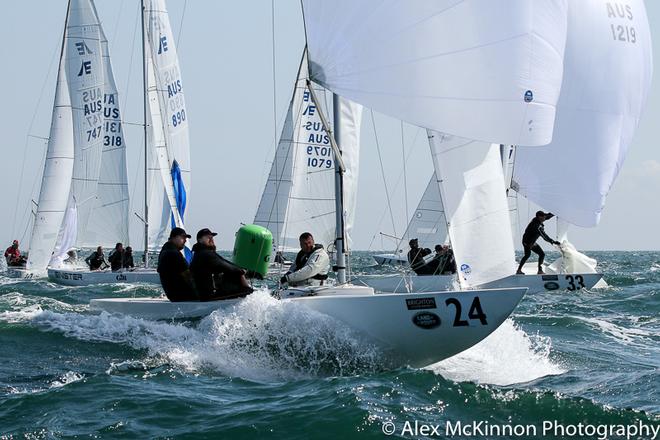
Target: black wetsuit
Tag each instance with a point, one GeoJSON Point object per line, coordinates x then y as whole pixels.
{"type": "Point", "coordinates": [95, 261]}
{"type": "Point", "coordinates": [116, 260]}
{"type": "Point", "coordinates": [128, 261]}
{"type": "Point", "coordinates": [175, 275]}
{"type": "Point", "coordinates": [534, 230]}
{"type": "Point", "coordinates": [419, 265]}
{"type": "Point", "coordinates": [215, 277]}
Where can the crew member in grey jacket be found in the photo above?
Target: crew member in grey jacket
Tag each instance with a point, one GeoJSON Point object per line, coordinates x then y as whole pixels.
{"type": "Point", "coordinates": [311, 265]}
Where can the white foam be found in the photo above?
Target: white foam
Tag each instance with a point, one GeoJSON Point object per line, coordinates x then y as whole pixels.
{"type": "Point", "coordinates": [67, 378]}
{"type": "Point", "coordinates": [260, 339]}
{"type": "Point", "coordinates": [507, 356]}
{"type": "Point", "coordinates": [627, 336]}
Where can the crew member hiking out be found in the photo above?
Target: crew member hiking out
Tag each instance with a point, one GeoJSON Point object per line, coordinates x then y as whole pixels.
{"type": "Point", "coordinates": [534, 230]}
{"type": "Point", "coordinates": [175, 276]}
{"type": "Point", "coordinates": [215, 277]}
{"type": "Point", "coordinates": [311, 265]}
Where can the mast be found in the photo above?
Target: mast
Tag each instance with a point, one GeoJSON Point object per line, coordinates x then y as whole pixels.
{"type": "Point", "coordinates": [339, 194]}
{"type": "Point", "coordinates": [146, 148]}
{"type": "Point", "coordinates": [340, 267]}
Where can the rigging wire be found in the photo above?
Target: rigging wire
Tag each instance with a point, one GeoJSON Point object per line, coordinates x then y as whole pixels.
{"type": "Point", "coordinates": [183, 14]}
{"type": "Point", "coordinates": [382, 171]}
{"type": "Point", "coordinates": [396, 185]}
{"type": "Point", "coordinates": [405, 178]}
{"type": "Point", "coordinates": [27, 138]}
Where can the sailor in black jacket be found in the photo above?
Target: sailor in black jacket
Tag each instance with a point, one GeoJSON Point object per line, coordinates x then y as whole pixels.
{"type": "Point", "coordinates": [173, 268]}
{"type": "Point", "coordinates": [215, 277]}
{"type": "Point", "coordinates": [534, 230]}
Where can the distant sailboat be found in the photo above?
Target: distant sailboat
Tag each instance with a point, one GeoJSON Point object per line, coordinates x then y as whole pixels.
{"type": "Point", "coordinates": [84, 194]}
{"type": "Point", "coordinates": [299, 195]}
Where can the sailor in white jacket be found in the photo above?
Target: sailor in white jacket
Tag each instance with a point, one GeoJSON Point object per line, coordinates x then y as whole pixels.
{"type": "Point", "coordinates": [311, 265]}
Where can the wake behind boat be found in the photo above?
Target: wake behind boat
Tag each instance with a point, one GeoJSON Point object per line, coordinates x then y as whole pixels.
{"type": "Point", "coordinates": [415, 329]}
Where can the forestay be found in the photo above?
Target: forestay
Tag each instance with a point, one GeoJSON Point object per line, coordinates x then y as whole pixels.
{"type": "Point", "coordinates": [299, 195]}
{"type": "Point", "coordinates": [607, 75]}
{"type": "Point", "coordinates": [428, 223]}
{"type": "Point", "coordinates": [445, 64]}
{"type": "Point", "coordinates": [172, 110]}
{"type": "Point", "coordinates": [472, 186]}
{"type": "Point", "coordinates": [56, 180]}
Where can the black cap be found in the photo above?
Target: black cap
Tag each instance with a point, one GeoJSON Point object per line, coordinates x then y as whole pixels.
{"type": "Point", "coordinates": [178, 231]}
{"type": "Point", "coordinates": [539, 213]}
{"type": "Point", "coordinates": [206, 231]}
{"type": "Point", "coordinates": [414, 240]}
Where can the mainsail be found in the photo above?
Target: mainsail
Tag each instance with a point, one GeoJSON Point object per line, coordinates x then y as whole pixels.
{"type": "Point", "coordinates": [607, 75]}
{"type": "Point", "coordinates": [108, 223]}
{"type": "Point", "coordinates": [299, 195]}
{"type": "Point", "coordinates": [58, 169]}
{"type": "Point", "coordinates": [472, 186]}
{"type": "Point", "coordinates": [171, 146]}
{"type": "Point", "coordinates": [86, 78]}
{"type": "Point", "coordinates": [486, 70]}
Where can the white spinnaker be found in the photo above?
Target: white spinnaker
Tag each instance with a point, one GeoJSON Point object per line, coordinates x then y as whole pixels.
{"type": "Point", "coordinates": [86, 80]}
{"type": "Point", "coordinates": [428, 223]}
{"type": "Point", "coordinates": [167, 73]}
{"type": "Point", "coordinates": [488, 70]}
{"type": "Point", "coordinates": [473, 192]}
{"type": "Point", "coordinates": [108, 223]}
{"type": "Point", "coordinates": [607, 75]}
{"type": "Point", "coordinates": [56, 180]}
{"type": "Point", "coordinates": [350, 120]}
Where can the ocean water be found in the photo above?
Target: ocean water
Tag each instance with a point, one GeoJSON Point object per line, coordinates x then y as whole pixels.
{"type": "Point", "coordinates": [269, 369]}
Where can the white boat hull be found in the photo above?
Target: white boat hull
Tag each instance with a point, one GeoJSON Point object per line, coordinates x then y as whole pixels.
{"type": "Point", "coordinates": [390, 259]}
{"type": "Point", "coordinates": [77, 277]}
{"type": "Point", "coordinates": [434, 283]}
{"type": "Point", "coordinates": [20, 272]}
{"type": "Point", "coordinates": [413, 329]}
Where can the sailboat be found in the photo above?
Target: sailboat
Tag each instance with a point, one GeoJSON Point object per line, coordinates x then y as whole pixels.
{"type": "Point", "coordinates": [593, 130]}
{"type": "Point", "coordinates": [433, 86]}
{"type": "Point", "coordinates": [608, 71]}
{"type": "Point", "coordinates": [84, 194]}
{"type": "Point", "coordinates": [299, 194]}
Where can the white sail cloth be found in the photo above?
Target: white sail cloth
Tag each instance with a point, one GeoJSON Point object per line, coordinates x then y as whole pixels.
{"type": "Point", "coordinates": [299, 195]}
{"type": "Point", "coordinates": [607, 75]}
{"type": "Point", "coordinates": [108, 223]}
{"type": "Point", "coordinates": [172, 155]}
{"type": "Point", "coordinates": [445, 64]}
{"type": "Point", "coordinates": [428, 223]}
{"type": "Point", "coordinates": [56, 180]}
{"type": "Point", "coordinates": [86, 78]}
{"type": "Point", "coordinates": [472, 186]}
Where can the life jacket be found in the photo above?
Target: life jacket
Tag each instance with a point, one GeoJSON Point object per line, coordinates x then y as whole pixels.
{"type": "Point", "coordinates": [301, 261]}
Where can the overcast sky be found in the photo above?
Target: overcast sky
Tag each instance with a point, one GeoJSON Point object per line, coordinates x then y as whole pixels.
{"type": "Point", "coordinates": [226, 60]}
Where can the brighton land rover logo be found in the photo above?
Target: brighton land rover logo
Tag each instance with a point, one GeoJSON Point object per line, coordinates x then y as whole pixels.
{"type": "Point", "coordinates": [426, 320]}
{"type": "Point", "coordinates": [466, 269]}
{"type": "Point", "coordinates": [529, 96]}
